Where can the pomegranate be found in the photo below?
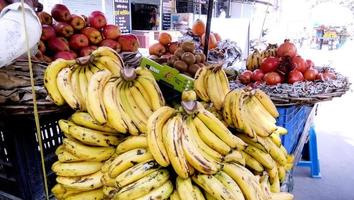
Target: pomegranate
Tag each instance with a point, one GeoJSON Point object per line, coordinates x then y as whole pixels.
{"type": "Point", "coordinates": [269, 64]}
{"type": "Point", "coordinates": [287, 49]}
{"type": "Point", "coordinates": [310, 63]}
{"type": "Point", "coordinates": [310, 74]}
{"type": "Point", "coordinates": [295, 76]}
{"type": "Point", "coordinates": [245, 77]}
{"type": "Point", "coordinates": [300, 64]}
{"type": "Point", "coordinates": [326, 75]}
{"type": "Point", "coordinates": [272, 78]}
{"type": "Point", "coordinates": [257, 75]}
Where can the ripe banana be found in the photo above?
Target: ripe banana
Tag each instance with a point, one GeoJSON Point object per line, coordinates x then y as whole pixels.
{"type": "Point", "coordinates": [281, 173]}
{"type": "Point", "coordinates": [200, 86]}
{"type": "Point", "coordinates": [64, 126]}
{"type": "Point", "coordinates": [209, 197]}
{"type": "Point", "coordinates": [213, 186]}
{"type": "Point", "coordinates": [143, 92]}
{"type": "Point", "coordinates": [254, 60]}
{"type": "Point", "coordinates": [75, 85]}
{"type": "Point", "coordinates": [282, 196]}
{"type": "Point", "coordinates": [260, 116]}
{"type": "Point", "coordinates": [65, 156]}
{"type": "Point", "coordinates": [280, 131]}
{"type": "Point", "coordinates": [87, 182]}
{"type": "Point", "coordinates": [276, 139]}
{"type": "Point", "coordinates": [263, 158]}
{"type": "Point", "coordinates": [128, 159]}
{"type": "Point", "coordinates": [135, 107]}
{"type": "Point", "coordinates": [266, 102]}
{"type": "Point", "coordinates": [88, 153]}
{"type": "Point", "coordinates": [173, 145]}
{"type": "Point", "coordinates": [76, 169]}
{"type": "Point", "coordinates": [275, 152]}
{"type": "Point", "coordinates": [175, 196]}
{"type": "Point", "coordinates": [230, 184]}
{"type": "Point", "coordinates": [89, 195]}
{"type": "Point", "coordinates": [274, 183]}
{"type": "Point", "coordinates": [109, 63]}
{"type": "Point", "coordinates": [84, 119]}
{"type": "Point", "coordinates": [95, 96]}
{"type": "Point", "coordinates": [185, 188]}
{"type": "Point", "coordinates": [109, 191]}
{"type": "Point", "coordinates": [214, 90]}
{"type": "Point", "coordinates": [253, 163]}
{"type": "Point", "coordinates": [114, 116]}
{"type": "Point", "coordinates": [107, 180]}
{"type": "Point", "coordinates": [216, 126]}
{"type": "Point", "coordinates": [83, 83]}
{"type": "Point", "coordinates": [143, 186]}
{"type": "Point", "coordinates": [210, 138]}
{"type": "Point", "coordinates": [65, 88]}
{"type": "Point", "coordinates": [132, 142]}
{"type": "Point", "coordinates": [88, 74]}
{"type": "Point", "coordinates": [155, 134]}
{"type": "Point", "coordinates": [140, 100]}
{"type": "Point", "coordinates": [153, 90]}
{"type": "Point", "coordinates": [106, 51]}
{"type": "Point", "coordinates": [223, 81]}
{"type": "Point", "coordinates": [257, 141]}
{"type": "Point", "coordinates": [136, 172]}
{"type": "Point", "coordinates": [235, 156]}
{"type": "Point", "coordinates": [50, 79]}
{"type": "Point", "coordinates": [226, 112]}
{"type": "Point", "coordinates": [163, 192]}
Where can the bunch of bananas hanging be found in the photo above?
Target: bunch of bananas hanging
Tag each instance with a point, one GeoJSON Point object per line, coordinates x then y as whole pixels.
{"type": "Point", "coordinates": [80, 158]}
{"type": "Point", "coordinates": [254, 60]}
{"type": "Point", "coordinates": [251, 112]}
{"type": "Point", "coordinates": [211, 85]}
{"type": "Point", "coordinates": [271, 50]}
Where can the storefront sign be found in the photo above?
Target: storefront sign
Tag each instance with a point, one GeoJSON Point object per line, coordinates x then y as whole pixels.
{"type": "Point", "coordinates": [122, 15]}
{"type": "Point", "coordinates": [166, 14]}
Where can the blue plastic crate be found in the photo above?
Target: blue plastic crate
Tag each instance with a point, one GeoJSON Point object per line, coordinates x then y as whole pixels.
{"type": "Point", "coordinates": [293, 118]}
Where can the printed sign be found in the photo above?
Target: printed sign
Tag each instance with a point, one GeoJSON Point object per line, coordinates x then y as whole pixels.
{"type": "Point", "coordinates": [122, 15]}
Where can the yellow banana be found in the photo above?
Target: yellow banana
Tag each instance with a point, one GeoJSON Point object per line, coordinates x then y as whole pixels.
{"type": "Point", "coordinates": [114, 116]}
{"type": "Point", "coordinates": [109, 191]}
{"type": "Point", "coordinates": [58, 191]}
{"type": "Point", "coordinates": [108, 181]}
{"type": "Point", "coordinates": [265, 186]}
{"type": "Point", "coordinates": [257, 141]}
{"type": "Point", "coordinates": [224, 82]}
{"type": "Point", "coordinates": [227, 108]}
{"type": "Point", "coordinates": [110, 64]}
{"type": "Point", "coordinates": [136, 172]}
{"type": "Point", "coordinates": [210, 138]}
{"type": "Point", "coordinates": [155, 134]}
{"type": "Point", "coordinates": [140, 100]}
{"type": "Point", "coordinates": [65, 89]}
{"type": "Point", "coordinates": [132, 142]}
{"type": "Point", "coordinates": [275, 152]}
{"type": "Point", "coordinates": [76, 169]}
{"type": "Point", "coordinates": [257, 125]}
{"type": "Point", "coordinates": [280, 131]}
{"type": "Point", "coordinates": [88, 195]}
{"type": "Point", "coordinates": [86, 152]}
{"type": "Point", "coordinates": [274, 183]}
{"type": "Point", "coordinates": [95, 96]}
{"type": "Point", "coordinates": [163, 192]}
{"type": "Point", "coordinates": [276, 139]}
{"type": "Point", "coordinates": [213, 186]}
{"type": "Point", "coordinates": [281, 173]}
{"type": "Point", "coordinates": [84, 119]}
{"type": "Point", "coordinates": [143, 186]}
{"type": "Point", "coordinates": [154, 92]}
{"type": "Point", "coordinates": [219, 129]}
{"type": "Point", "coordinates": [213, 90]}
{"type": "Point", "coordinates": [263, 158]}
{"type": "Point", "coordinates": [50, 79]}
{"type": "Point", "coordinates": [106, 51]}
{"type": "Point", "coordinates": [282, 196]}
{"type": "Point", "coordinates": [128, 159]}
{"type": "Point", "coordinates": [64, 126]}
{"type": "Point", "coordinates": [199, 84]}
{"type": "Point", "coordinates": [143, 92]}
{"type": "Point", "coordinates": [175, 196]}
{"type": "Point", "coordinates": [173, 145]}
{"type": "Point", "coordinates": [75, 85]}
{"type": "Point", "coordinates": [209, 197]}
{"type": "Point", "coordinates": [185, 188]}
{"type": "Point", "coordinates": [198, 193]}
{"type": "Point", "coordinates": [88, 74]}
{"type": "Point", "coordinates": [268, 122]}
{"type": "Point", "coordinates": [107, 164]}
{"type": "Point", "coordinates": [235, 156]}
{"type": "Point", "coordinates": [238, 113]}
{"type": "Point", "coordinates": [230, 184]}
{"type": "Point", "coordinates": [253, 163]}
{"type": "Point", "coordinates": [262, 110]}
{"type": "Point", "coordinates": [83, 86]}
{"type": "Point", "coordinates": [139, 112]}
{"type": "Point", "coordinates": [266, 102]}
{"type": "Point", "coordinates": [144, 72]}
{"type": "Point", "coordinates": [91, 181]}
{"type": "Point", "coordinates": [65, 156]}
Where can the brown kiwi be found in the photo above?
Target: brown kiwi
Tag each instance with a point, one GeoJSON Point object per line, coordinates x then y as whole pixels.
{"type": "Point", "coordinates": [188, 46]}
{"type": "Point", "coordinates": [198, 58]}
{"type": "Point", "coordinates": [180, 66]}
{"type": "Point", "coordinates": [179, 51]}
{"type": "Point", "coordinates": [188, 57]}
{"type": "Point", "coordinates": [172, 60]}
{"type": "Point", "coordinates": [192, 69]}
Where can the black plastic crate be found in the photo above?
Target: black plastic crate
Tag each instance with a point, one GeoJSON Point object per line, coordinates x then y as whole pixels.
{"type": "Point", "coordinates": [20, 163]}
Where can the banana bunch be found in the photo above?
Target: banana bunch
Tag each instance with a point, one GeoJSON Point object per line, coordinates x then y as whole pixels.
{"type": "Point", "coordinates": [251, 112]}
{"type": "Point", "coordinates": [67, 81]}
{"type": "Point", "coordinates": [271, 50]}
{"type": "Point", "coordinates": [211, 85]}
{"type": "Point", "coordinates": [254, 60]}
{"type": "Point", "coordinates": [189, 142]}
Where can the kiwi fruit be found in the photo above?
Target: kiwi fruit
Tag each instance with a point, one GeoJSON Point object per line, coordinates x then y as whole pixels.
{"type": "Point", "coordinates": [188, 46]}
{"type": "Point", "coordinates": [172, 60]}
{"type": "Point", "coordinates": [179, 51]}
{"type": "Point", "coordinates": [180, 66]}
{"type": "Point", "coordinates": [192, 69]}
{"type": "Point", "coordinates": [188, 57]}
{"type": "Point", "coordinates": [198, 58]}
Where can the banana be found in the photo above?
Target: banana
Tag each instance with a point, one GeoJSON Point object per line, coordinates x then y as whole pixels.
{"type": "Point", "coordinates": [216, 126]}
{"type": "Point", "coordinates": [230, 184]}
{"type": "Point", "coordinates": [213, 186]}
{"type": "Point", "coordinates": [209, 197]}
{"type": "Point", "coordinates": [132, 129]}
{"type": "Point", "coordinates": [89, 195]}
{"type": "Point", "coordinates": [238, 113]}
{"type": "Point", "coordinates": [84, 119]}
{"type": "Point", "coordinates": [195, 156]}
{"type": "Point", "coordinates": [210, 138]}
{"type": "Point", "coordinates": [235, 156]}
{"type": "Point", "coordinates": [76, 169]}
{"type": "Point", "coordinates": [65, 156]}
{"type": "Point", "coordinates": [265, 186]}
{"type": "Point", "coordinates": [173, 145]}
{"type": "Point", "coordinates": [138, 120]}
{"type": "Point", "coordinates": [109, 191]}
{"type": "Point", "coordinates": [83, 83]}
{"type": "Point", "coordinates": [143, 186]}
{"type": "Point", "coordinates": [144, 72]}
{"type": "Point", "coordinates": [109, 63]}
{"type": "Point", "coordinates": [92, 137]}
{"type": "Point", "coordinates": [88, 153]}
{"type": "Point", "coordinates": [262, 110]}
{"type": "Point", "coordinates": [143, 92]}
{"type": "Point", "coordinates": [275, 152]}
{"type": "Point", "coordinates": [205, 149]}
{"type": "Point", "coordinates": [65, 89]}
{"type": "Point", "coordinates": [276, 139]}
{"type": "Point", "coordinates": [253, 163]}
{"type": "Point", "coordinates": [243, 180]}
{"type": "Point", "coordinates": [280, 131]}
{"type": "Point", "coordinates": [274, 183]}
{"type": "Point", "coordinates": [155, 134]}
{"type": "Point", "coordinates": [141, 102]}
{"type": "Point", "coordinates": [75, 85]}
{"type": "Point", "coordinates": [266, 102]}
{"type": "Point", "coordinates": [255, 122]}
{"type": "Point", "coordinates": [282, 196]}
{"type": "Point", "coordinates": [95, 96]}
{"type": "Point", "coordinates": [199, 84]}
{"type": "Point", "coordinates": [136, 172]}
{"type": "Point", "coordinates": [263, 158]}
{"type": "Point", "coordinates": [64, 126]}
{"type": "Point", "coordinates": [58, 191]}
{"type": "Point", "coordinates": [107, 163]}
{"type": "Point", "coordinates": [213, 90]}
{"type": "Point", "coordinates": [257, 141]}
{"type": "Point", "coordinates": [108, 181]}
{"type": "Point", "coordinates": [114, 116]}
{"type": "Point", "coordinates": [175, 196]}
{"type": "Point", "coordinates": [185, 188]}
{"type": "Point", "coordinates": [50, 79]}
{"type": "Point", "coordinates": [135, 107]}
{"type": "Point", "coordinates": [106, 51]}
{"type": "Point", "coordinates": [153, 90]}
{"type": "Point", "coordinates": [88, 74]}
{"type": "Point", "coordinates": [87, 182]}
{"type": "Point", "coordinates": [128, 159]}
{"type": "Point", "coordinates": [273, 173]}
{"type": "Point", "coordinates": [268, 122]}
{"type": "Point", "coordinates": [132, 142]}
{"type": "Point", "coordinates": [281, 173]}
{"type": "Point", "coordinates": [224, 82]}
{"type": "Point", "coordinates": [161, 193]}
{"type": "Point", "coordinates": [226, 112]}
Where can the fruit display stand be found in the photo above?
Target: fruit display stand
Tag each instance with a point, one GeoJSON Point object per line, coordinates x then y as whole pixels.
{"type": "Point", "coordinates": [20, 172]}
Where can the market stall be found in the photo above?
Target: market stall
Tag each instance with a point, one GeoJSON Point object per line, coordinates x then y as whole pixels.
{"type": "Point", "coordinates": [181, 123]}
